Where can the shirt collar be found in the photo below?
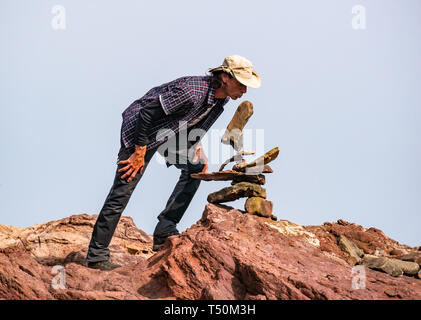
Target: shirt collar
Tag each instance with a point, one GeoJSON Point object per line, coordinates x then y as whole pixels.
{"type": "Point", "coordinates": [211, 97]}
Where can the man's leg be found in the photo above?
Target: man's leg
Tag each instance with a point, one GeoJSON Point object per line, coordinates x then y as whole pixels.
{"type": "Point", "coordinates": [178, 203]}
{"type": "Point", "coordinates": [112, 209]}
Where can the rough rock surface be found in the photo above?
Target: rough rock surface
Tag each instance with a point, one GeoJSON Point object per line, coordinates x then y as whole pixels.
{"type": "Point", "coordinates": [394, 267]}
{"type": "Point", "coordinates": [227, 254]}
{"type": "Point", "coordinates": [351, 248]}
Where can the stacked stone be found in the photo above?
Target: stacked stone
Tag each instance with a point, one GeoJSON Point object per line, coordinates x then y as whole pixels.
{"type": "Point", "coordinates": [247, 178]}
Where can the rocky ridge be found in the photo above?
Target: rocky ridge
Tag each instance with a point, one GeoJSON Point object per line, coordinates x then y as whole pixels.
{"type": "Point", "coordinates": [227, 254]}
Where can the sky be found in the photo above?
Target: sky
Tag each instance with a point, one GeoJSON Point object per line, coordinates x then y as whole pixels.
{"type": "Point", "coordinates": [340, 98]}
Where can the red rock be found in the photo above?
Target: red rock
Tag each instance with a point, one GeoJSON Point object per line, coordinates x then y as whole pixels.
{"type": "Point", "coordinates": [226, 255]}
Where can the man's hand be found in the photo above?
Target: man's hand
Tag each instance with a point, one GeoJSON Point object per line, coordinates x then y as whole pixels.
{"type": "Point", "coordinates": [200, 154]}
{"type": "Point", "coordinates": [134, 163]}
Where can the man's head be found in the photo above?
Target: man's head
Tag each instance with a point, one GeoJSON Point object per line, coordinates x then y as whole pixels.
{"type": "Point", "coordinates": [226, 85]}
{"type": "Point", "coordinates": [234, 76]}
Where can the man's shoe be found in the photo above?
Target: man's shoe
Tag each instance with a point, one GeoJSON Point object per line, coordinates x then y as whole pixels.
{"type": "Point", "coordinates": [158, 241]}
{"type": "Point", "coordinates": [156, 247]}
{"type": "Point", "coordinates": [103, 265]}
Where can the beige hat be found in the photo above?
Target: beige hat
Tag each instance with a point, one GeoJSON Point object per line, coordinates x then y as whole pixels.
{"type": "Point", "coordinates": [241, 69]}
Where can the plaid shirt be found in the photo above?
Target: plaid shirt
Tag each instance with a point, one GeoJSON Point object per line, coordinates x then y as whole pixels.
{"type": "Point", "coordinates": [183, 100]}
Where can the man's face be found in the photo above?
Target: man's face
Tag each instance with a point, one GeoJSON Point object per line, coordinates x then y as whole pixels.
{"type": "Point", "coordinates": [234, 89]}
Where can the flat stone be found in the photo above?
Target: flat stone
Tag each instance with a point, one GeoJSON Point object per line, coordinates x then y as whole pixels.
{"type": "Point", "coordinates": [230, 175]}
{"type": "Point", "coordinates": [259, 207]}
{"type": "Point", "coordinates": [237, 191]}
{"type": "Point", "coordinates": [257, 179]}
{"type": "Point", "coordinates": [238, 157]}
{"type": "Point", "coordinates": [266, 169]}
{"type": "Point", "coordinates": [412, 257]}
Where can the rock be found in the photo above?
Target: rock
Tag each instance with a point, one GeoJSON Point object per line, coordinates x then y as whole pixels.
{"type": "Point", "coordinates": [408, 268]}
{"type": "Point", "coordinates": [369, 240]}
{"type": "Point", "coordinates": [233, 133]}
{"type": "Point", "coordinates": [230, 175]}
{"type": "Point", "coordinates": [394, 267]}
{"type": "Point", "coordinates": [237, 191]}
{"type": "Point", "coordinates": [383, 264]}
{"type": "Point", "coordinates": [51, 243]}
{"type": "Point", "coordinates": [378, 252]}
{"type": "Point", "coordinates": [288, 228]}
{"type": "Point", "coordinates": [238, 157]}
{"type": "Point", "coordinates": [259, 207]}
{"type": "Point", "coordinates": [260, 180]}
{"type": "Point", "coordinates": [413, 257]}
{"type": "Point", "coordinates": [392, 293]}
{"type": "Point", "coordinates": [259, 162]}
{"type": "Point", "coordinates": [256, 179]}
{"type": "Point", "coordinates": [256, 170]}
{"type": "Point", "coordinates": [351, 249]}
{"type": "Point", "coordinates": [397, 252]}
{"type": "Point", "coordinates": [343, 222]}
{"type": "Point", "coordinates": [226, 255]}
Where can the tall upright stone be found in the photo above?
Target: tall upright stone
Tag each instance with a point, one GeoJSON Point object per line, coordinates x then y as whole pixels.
{"type": "Point", "coordinates": [234, 133]}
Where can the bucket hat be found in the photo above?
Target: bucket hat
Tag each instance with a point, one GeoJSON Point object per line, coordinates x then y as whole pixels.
{"type": "Point", "coordinates": [241, 69]}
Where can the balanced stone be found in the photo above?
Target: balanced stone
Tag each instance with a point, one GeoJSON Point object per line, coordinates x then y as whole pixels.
{"type": "Point", "coordinates": [238, 157]}
{"type": "Point", "coordinates": [257, 179]}
{"type": "Point", "coordinates": [233, 134]}
{"type": "Point", "coordinates": [266, 169]}
{"type": "Point", "coordinates": [259, 162]}
{"type": "Point", "coordinates": [259, 206]}
{"type": "Point", "coordinates": [230, 175]}
{"type": "Point", "coordinates": [237, 191]}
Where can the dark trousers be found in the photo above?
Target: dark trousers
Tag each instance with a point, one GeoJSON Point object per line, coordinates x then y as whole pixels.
{"type": "Point", "coordinates": [120, 194]}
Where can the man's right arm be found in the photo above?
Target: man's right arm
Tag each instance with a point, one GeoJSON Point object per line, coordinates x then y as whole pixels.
{"type": "Point", "coordinates": [147, 116]}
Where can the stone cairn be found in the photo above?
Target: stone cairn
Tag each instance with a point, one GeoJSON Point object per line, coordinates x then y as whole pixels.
{"type": "Point", "coordinates": [247, 178]}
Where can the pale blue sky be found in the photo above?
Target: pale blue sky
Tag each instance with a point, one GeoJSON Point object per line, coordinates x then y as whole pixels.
{"type": "Point", "coordinates": [342, 105]}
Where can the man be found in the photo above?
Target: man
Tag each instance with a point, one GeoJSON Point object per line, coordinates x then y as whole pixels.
{"type": "Point", "coordinates": [154, 121]}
